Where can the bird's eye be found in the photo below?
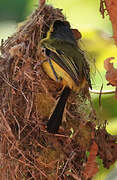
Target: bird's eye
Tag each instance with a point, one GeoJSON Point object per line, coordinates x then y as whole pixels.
{"type": "Point", "coordinates": [43, 50]}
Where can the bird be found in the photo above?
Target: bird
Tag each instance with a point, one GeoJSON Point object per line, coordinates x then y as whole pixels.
{"type": "Point", "coordinates": [65, 63]}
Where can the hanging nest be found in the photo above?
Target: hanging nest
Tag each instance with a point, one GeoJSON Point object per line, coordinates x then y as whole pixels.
{"type": "Point", "coordinates": [27, 98]}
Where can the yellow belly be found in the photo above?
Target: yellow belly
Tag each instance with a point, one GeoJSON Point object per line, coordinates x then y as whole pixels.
{"type": "Point", "coordinates": [64, 77]}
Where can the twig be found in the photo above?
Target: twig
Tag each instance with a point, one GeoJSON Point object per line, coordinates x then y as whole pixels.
{"type": "Point", "coordinates": [102, 92]}
{"type": "Point", "coordinates": [5, 80]}
{"type": "Point", "coordinates": [100, 96]}
{"type": "Point", "coordinates": [41, 3]}
{"type": "Point", "coordinates": [68, 160]}
{"type": "Point", "coordinates": [6, 125]}
{"type": "Point", "coordinates": [27, 162]}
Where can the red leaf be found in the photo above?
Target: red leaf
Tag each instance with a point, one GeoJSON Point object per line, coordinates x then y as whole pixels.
{"type": "Point", "coordinates": [111, 7]}
{"type": "Point", "coordinates": [76, 34]}
{"type": "Point", "coordinates": [91, 167]}
{"type": "Point", "coordinates": [111, 74]}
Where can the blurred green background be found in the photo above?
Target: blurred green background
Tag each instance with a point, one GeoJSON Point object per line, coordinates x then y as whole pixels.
{"type": "Point", "coordinates": [96, 41]}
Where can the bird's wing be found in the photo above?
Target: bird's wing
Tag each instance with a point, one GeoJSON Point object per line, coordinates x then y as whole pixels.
{"type": "Point", "coordinates": [65, 63]}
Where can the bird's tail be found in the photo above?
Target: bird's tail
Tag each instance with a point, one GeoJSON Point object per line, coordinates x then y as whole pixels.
{"type": "Point", "coordinates": [56, 118]}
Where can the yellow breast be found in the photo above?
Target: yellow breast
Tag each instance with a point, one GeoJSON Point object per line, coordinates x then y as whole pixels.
{"type": "Point", "coordinates": [63, 76]}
